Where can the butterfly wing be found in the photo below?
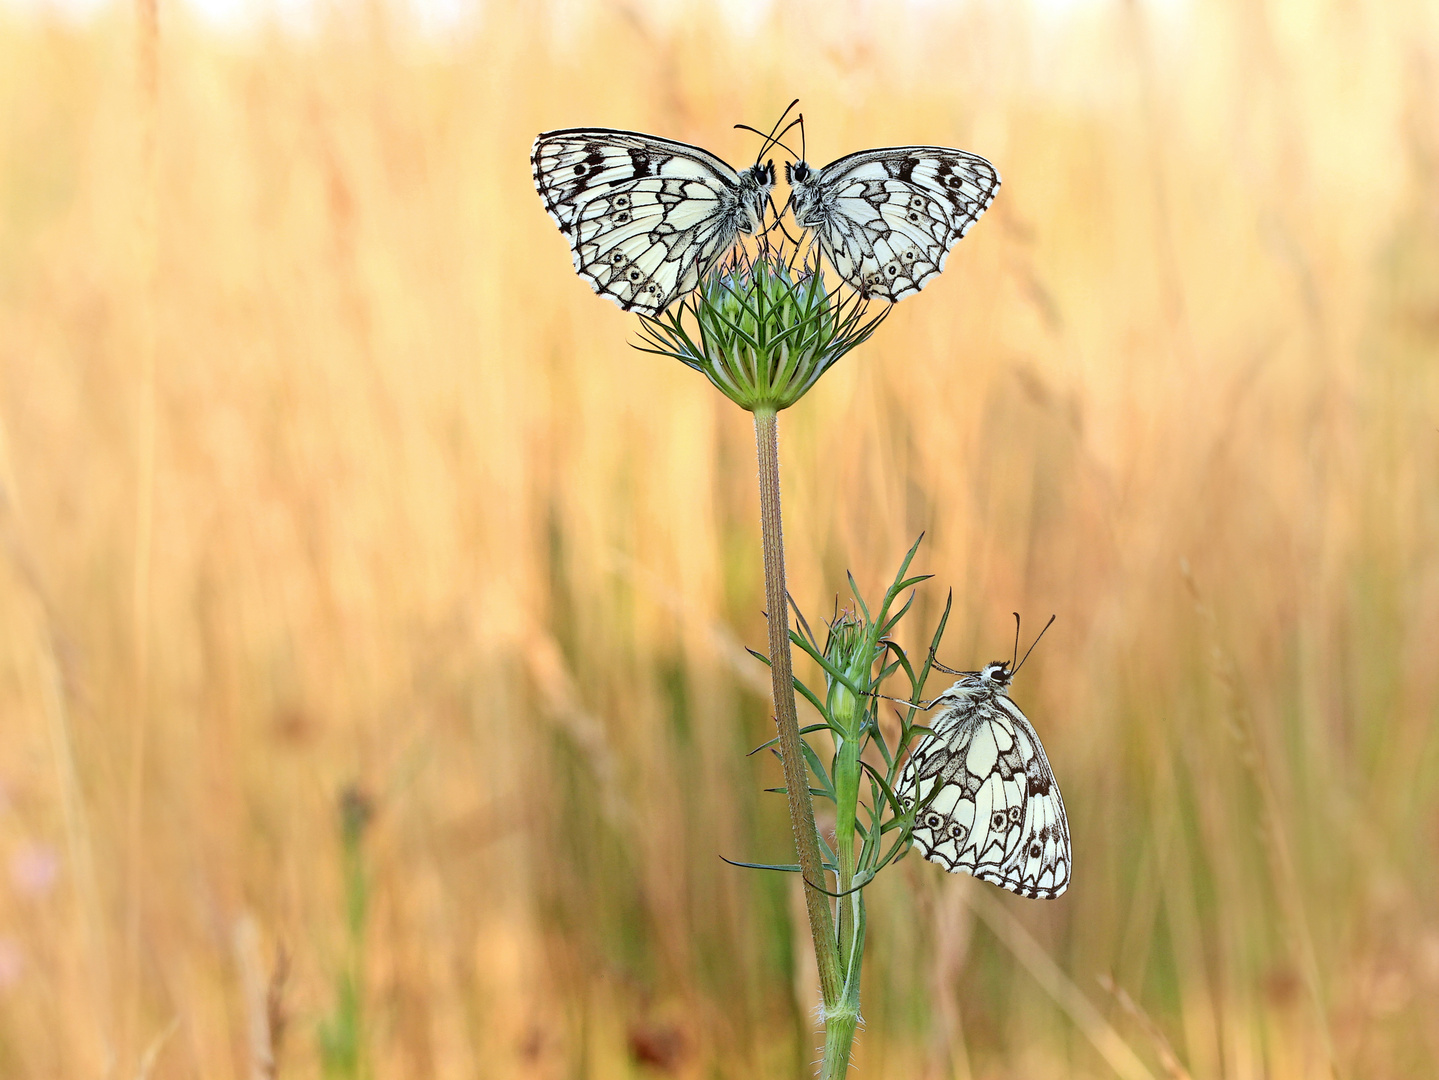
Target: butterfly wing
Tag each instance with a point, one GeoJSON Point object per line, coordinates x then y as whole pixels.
{"type": "Point", "coordinates": [645, 217]}
{"type": "Point", "coordinates": [886, 219]}
{"type": "Point", "coordinates": [993, 808]}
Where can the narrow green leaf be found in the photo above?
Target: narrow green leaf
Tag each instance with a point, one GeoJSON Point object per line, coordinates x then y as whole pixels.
{"type": "Point", "coordinates": [900, 846]}
{"type": "Point", "coordinates": [775, 741]}
{"type": "Point", "coordinates": [858, 599]}
{"type": "Point", "coordinates": [812, 650]}
{"type": "Point", "coordinates": [799, 617]}
{"type": "Point", "coordinates": [818, 768]}
{"type": "Point", "coordinates": [837, 675]}
{"type": "Point", "coordinates": [854, 888]}
{"type": "Point", "coordinates": [904, 566]}
{"type": "Point", "coordinates": [909, 583]}
{"type": "Point", "coordinates": [810, 696]}
{"type": "Point", "coordinates": [889, 794]}
{"type": "Point", "coordinates": [877, 736]}
{"type": "Point", "coordinates": [893, 621]}
{"type": "Point", "coordinates": [833, 858]}
{"type": "Point", "coordinates": [792, 868]}
{"type": "Point", "coordinates": [934, 643]}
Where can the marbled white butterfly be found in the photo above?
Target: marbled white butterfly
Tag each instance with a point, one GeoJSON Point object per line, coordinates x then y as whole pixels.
{"type": "Point", "coordinates": [997, 813]}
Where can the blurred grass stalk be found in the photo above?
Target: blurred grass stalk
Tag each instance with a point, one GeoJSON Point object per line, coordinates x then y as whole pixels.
{"type": "Point", "coordinates": [343, 1036]}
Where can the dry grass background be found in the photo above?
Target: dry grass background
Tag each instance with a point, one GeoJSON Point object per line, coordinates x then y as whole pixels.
{"type": "Point", "coordinates": [321, 471]}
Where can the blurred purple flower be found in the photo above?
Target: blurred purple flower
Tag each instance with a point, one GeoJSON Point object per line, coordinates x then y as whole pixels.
{"type": "Point", "coordinates": [34, 868]}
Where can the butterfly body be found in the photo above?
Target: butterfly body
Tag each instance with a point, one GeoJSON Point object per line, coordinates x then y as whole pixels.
{"type": "Point", "coordinates": [645, 217]}
{"type": "Point", "coordinates": [887, 218]}
{"type": "Point", "coordinates": [997, 813]}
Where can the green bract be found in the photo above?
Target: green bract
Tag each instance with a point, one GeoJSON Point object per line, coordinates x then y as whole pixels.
{"type": "Point", "coordinates": [762, 330]}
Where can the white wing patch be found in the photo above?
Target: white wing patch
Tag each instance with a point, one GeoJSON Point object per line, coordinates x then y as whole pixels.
{"type": "Point", "coordinates": [997, 813]}
{"type": "Point", "coordinates": [645, 217]}
{"type": "Point", "coordinates": [887, 219]}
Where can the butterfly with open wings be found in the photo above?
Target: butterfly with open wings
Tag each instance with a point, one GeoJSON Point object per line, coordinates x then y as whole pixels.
{"type": "Point", "coordinates": [988, 803]}
{"type": "Point", "coordinates": [646, 218]}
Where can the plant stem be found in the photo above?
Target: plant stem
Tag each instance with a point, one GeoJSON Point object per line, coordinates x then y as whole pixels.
{"type": "Point", "coordinates": [840, 1023]}
{"type": "Point", "coordinates": [796, 773]}
{"type": "Point", "coordinates": [848, 715]}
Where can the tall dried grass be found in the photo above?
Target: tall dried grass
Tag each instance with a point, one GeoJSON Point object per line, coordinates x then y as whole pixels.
{"type": "Point", "coordinates": [397, 506]}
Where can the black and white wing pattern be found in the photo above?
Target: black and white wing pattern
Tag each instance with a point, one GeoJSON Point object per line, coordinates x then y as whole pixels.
{"type": "Point", "coordinates": [645, 217]}
{"type": "Point", "coordinates": [887, 218]}
{"type": "Point", "coordinates": [997, 813]}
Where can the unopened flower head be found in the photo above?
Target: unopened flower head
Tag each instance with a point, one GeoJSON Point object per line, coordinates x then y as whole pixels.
{"type": "Point", "coordinates": [845, 646]}
{"type": "Point", "coordinates": [851, 650]}
{"type": "Point", "coordinates": [762, 329]}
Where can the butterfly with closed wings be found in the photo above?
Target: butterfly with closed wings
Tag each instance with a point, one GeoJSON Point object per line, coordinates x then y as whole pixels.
{"type": "Point", "coordinates": [646, 218]}
{"type": "Point", "coordinates": [988, 803]}
{"type": "Point", "coordinates": [887, 218]}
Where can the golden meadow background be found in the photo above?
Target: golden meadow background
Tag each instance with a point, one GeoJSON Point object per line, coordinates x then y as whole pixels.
{"type": "Point", "coordinates": [325, 480]}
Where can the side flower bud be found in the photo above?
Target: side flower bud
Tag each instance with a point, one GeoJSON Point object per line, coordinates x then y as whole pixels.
{"type": "Point", "coordinates": [851, 650]}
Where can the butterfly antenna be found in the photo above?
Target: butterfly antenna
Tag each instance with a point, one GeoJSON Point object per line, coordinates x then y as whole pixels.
{"type": "Point", "coordinates": [773, 138]}
{"type": "Point", "coordinates": [770, 139]}
{"type": "Point", "coordinates": [796, 123]}
{"type": "Point", "coordinates": [1036, 642]}
{"type": "Point", "coordinates": [1016, 643]}
{"type": "Point", "coordinates": [886, 697]}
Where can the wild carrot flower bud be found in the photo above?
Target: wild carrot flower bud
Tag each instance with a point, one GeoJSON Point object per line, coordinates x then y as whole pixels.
{"type": "Point", "coordinates": [851, 651]}
{"type": "Point", "coordinates": [761, 329]}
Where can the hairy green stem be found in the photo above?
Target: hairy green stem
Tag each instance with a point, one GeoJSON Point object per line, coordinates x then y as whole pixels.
{"type": "Point", "coordinates": [840, 1022]}
{"type": "Point", "coordinates": [848, 714]}
{"type": "Point", "coordinates": [796, 774]}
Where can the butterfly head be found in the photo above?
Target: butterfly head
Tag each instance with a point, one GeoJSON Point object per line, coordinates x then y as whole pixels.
{"type": "Point", "coordinates": [993, 678]}
{"type": "Point", "coordinates": [996, 675]}
{"type": "Point", "coordinates": [756, 183]}
{"type": "Point", "coordinates": [805, 193]}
